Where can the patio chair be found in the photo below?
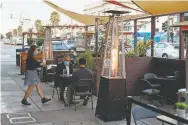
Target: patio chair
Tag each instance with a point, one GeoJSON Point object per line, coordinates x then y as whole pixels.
{"type": "Point", "coordinates": [50, 73]}
{"type": "Point", "coordinates": [87, 92]}
{"type": "Point", "coordinates": [151, 76]}
{"type": "Point", "coordinates": [148, 88]}
{"type": "Point", "coordinates": [57, 89]}
{"type": "Point", "coordinates": [140, 113]}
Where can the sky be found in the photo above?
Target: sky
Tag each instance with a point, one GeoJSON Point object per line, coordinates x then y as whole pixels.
{"type": "Point", "coordinates": [35, 9]}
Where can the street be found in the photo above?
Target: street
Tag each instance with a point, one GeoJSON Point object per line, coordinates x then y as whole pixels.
{"type": "Point", "coordinates": [53, 113]}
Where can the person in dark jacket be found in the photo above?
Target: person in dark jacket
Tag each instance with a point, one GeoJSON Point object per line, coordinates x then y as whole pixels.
{"type": "Point", "coordinates": [31, 78]}
{"type": "Point", "coordinates": [82, 73]}
{"type": "Point", "coordinates": [65, 68]}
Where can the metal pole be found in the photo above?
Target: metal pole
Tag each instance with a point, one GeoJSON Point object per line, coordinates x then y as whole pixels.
{"type": "Point", "coordinates": [96, 35]}
{"type": "Point", "coordinates": [152, 35]}
{"type": "Point", "coordinates": [186, 72]}
{"type": "Point", "coordinates": [135, 33]}
{"type": "Point", "coordinates": [168, 29]}
{"type": "Point", "coordinates": [181, 40]}
{"type": "Point", "coordinates": [23, 43]}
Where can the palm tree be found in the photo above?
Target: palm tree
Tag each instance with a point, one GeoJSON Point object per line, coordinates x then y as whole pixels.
{"type": "Point", "coordinates": [9, 35]}
{"type": "Point", "coordinates": [54, 18]}
{"type": "Point", "coordinates": [19, 30]}
{"type": "Point", "coordinates": [38, 25]}
{"type": "Point", "coordinates": [15, 32]}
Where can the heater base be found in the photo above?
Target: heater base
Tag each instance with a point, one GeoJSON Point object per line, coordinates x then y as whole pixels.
{"type": "Point", "coordinates": [111, 103]}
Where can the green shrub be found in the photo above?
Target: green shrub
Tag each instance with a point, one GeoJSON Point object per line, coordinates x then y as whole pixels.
{"type": "Point", "coordinates": [131, 53]}
{"type": "Point", "coordinates": [89, 58]}
{"type": "Point", "coordinates": [181, 105]}
{"type": "Point", "coordinates": [40, 41]}
{"type": "Point", "coordinates": [30, 41]}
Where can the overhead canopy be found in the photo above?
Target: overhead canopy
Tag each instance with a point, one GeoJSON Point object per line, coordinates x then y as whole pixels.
{"type": "Point", "coordinates": [160, 7]}
{"type": "Point", "coordinates": [136, 16]}
{"type": "Point", "coordinates": [85, 19]}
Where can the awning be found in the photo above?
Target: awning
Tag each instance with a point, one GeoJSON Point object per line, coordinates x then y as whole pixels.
{"type": "Point", "coordinates": [136, 16]}
{"type": "Point", "coordinates": [84, 19]}
{"type": "Point", "coordinates": [160, 7]}
{"type": "Point", "coordinates": [89, 19]}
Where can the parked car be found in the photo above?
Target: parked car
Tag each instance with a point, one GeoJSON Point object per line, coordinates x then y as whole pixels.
{"type": "Point", "coordinates": [165, 50]}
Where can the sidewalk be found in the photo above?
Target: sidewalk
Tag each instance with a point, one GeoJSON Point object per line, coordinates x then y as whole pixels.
{"type": "Point", "coordinates": [53, 113]}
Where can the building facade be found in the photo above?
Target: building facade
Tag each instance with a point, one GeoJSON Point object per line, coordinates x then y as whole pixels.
{"type": "Point", "coordinates": [143, 25]}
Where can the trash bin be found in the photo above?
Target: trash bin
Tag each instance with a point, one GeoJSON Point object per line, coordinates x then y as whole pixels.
{"type": "Point", "coordinates": [18, 57]}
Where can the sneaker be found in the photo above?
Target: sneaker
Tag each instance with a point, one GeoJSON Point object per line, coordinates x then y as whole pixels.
{"type": "Point", "coordinates": [44, 100]}
{"type": "Point", "coordinates": [25, 102]}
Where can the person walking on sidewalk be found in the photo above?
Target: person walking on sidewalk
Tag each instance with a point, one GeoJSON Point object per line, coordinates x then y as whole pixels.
{"type": "Point", "coordinates": [32, 79]}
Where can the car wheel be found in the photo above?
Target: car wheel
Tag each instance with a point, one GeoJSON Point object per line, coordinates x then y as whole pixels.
{"type": "Point", "coordinates": [165, 56]}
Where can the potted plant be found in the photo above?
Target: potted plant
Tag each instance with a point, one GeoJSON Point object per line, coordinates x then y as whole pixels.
{"type": "Point", "coordinates": [180, 108]}
{"type": "Point", "coordinates": [89, 58]}
{"type": "Point", "coordinates": [141, 48]}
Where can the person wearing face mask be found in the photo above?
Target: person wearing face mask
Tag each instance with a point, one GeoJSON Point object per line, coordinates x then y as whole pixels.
{"type": "Point", "coordinates": [65, 68]}
{"type": "Point", "coordinates": [31, 78]}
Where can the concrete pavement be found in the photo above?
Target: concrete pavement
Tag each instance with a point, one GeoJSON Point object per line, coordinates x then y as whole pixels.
{"type": "Point", "coordinates": [53, 113]}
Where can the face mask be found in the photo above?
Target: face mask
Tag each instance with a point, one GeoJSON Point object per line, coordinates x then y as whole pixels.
{"type": "Point", "coordinates": [66, 63]}
{"type": "Point", "coordinates": [35, 53]}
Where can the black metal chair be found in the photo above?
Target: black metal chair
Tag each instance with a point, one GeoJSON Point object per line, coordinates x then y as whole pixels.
{"type": "Point", "coordinates": [87, 91]}
{"type": "Point", "coordinates": [151, 76]}
{"type": "Point", "coordinates": [140, 113]}
{"type": "Point", "coordinates": [148, 88]}
{"type": "Point", "coordinates": [57, 88]}
{"type": "Point", "coordinates": [50, 73]}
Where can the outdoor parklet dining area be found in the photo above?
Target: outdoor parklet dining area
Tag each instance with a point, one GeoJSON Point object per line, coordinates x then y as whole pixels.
{"type": "Point", "coordinates": [142, 87]}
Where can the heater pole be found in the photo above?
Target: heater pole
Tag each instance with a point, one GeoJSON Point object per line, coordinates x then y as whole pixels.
{"type": "Point", "coordinates": [123, 48]}
{"type": "Point", "coordinates": [112, 44]}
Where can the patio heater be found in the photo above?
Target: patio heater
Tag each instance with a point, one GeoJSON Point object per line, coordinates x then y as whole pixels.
{"type": "Point", "coordinates": [111, 103]}
{"type": "Point", "coordinates": [184, 30]}
{"type": "Point", "coordinates": [47, 46]}
{"type": "Point", "coordinates": [47, 52]}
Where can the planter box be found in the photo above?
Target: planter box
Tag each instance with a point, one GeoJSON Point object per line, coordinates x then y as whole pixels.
{"type": "Point", "coordinates": [136, 67]}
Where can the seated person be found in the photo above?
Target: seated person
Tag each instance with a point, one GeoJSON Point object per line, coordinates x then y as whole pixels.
{"type": "Point", "coordinates": [64, 67]}
{"type": "Point", "coordinates": [82, 73]}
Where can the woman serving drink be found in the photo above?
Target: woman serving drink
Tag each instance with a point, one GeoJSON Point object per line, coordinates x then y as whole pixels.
{"type": "Point", "coordinates": [32, 79]}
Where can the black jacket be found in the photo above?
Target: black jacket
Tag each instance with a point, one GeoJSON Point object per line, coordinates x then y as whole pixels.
{"type": "Point", "coordinates": [60, 67]}
{"type": "Point", "coordinates": [59, 70]}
